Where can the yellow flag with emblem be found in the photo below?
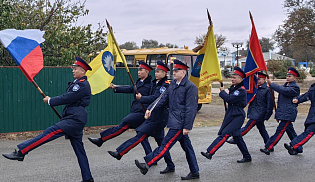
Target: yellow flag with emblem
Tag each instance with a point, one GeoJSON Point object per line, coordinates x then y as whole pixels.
{"type": "Point", "coordinates": [210, 69]}
{"type": "Point", "coordinates": [104, 67]}
{"type": "Point", "coordinates": [206, 67]}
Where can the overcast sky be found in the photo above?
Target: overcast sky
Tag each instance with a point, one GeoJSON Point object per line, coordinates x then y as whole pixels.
{"type": "Point", "coordinates": [180, 21]}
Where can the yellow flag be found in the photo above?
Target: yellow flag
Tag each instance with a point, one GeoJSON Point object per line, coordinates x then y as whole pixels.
{"type": "Point", "coordinates": [207, 67]}
{"type": "Point", "coordinates": [104, 67]}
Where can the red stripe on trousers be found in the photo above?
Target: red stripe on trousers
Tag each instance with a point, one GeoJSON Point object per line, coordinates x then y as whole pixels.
{"type": "Point", "coordinates": [133, 145]}
{"type": "Point", "coordinates": [40, 141]}
{"type": "Point", "coordinates": [304, 140]}
{"type": "Point", "coordinates": [279, 136]}
{"type": "Point", "coordinates": [165, 148]}
{"type": "Point", "coordinates": [116, 133]}
{"type": "Point", "coordinates": [249, 128]}
{"type": "Point", "coordinates": [219, 144]}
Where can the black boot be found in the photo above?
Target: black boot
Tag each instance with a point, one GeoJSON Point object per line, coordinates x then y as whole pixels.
{"type": "Point", "coordinates": [16, 155]}
{"type": "Point", "coordinates": [142, 166]}
{"type": "Point", "coordinates": [90, 180]}
{"type": "Point", "coordinates": [191, 176]}
{"type": "Point", "coordinates": [265, 150]}
{"type": "Point", "coordinates": [97, 141]}
{"type": "Point", "coordinates": [115, 154]}
{"type": "Point", "coordinates": [290, 149]}
{"type": "Point", "coordinates": [231, 141]}
{"type": "Point", "coordinates": [244, 160]}
{"type": "Point", "coordinates": [167, 170]}
{"type": "Point", "coordinates": [207, 155]}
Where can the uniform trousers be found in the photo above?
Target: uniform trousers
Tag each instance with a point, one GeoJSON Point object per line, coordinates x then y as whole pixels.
{"type": "Point", "coordinates": [221, 139]}
{"type": "Point", "coordinates": [172, 136]}
{"type": "Point", "coordinates": [117, 130]}
{"type": "Point", "coordinates": [132, 142]}
{"type": "Point", "coordinates": [52, 133]}
{"type": "Point", "coordinates": [261, 128]}
{"type": "Point", "coordinates": [284, 126]}
{"type": "Point", "coordinates": [303, 137]}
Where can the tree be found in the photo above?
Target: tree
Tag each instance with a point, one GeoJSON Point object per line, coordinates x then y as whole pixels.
{"type": "Point", "coordinates": [149, 44]}
{"type": "Point", "coordinates": [267, 44]}
{"type": "Point", "coordinates": [63, 39]}
{"type": "Point", "coordinates": [129, 46]}
{"type": "Point", "coordinates": [273, 66]}
{"type": "Point", "coordinates": [296, 36]}
{"type": "Point", "coordinates": [219, 39]}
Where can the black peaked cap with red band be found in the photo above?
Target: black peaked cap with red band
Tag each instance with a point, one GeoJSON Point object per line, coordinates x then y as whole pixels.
{"type": "Point", "coordinates": [161, 66]}
{"type": "Point", "coordinates": [238, 71]}
{"type": "Point", "coordinates": [293, 71]}
{"type": "Point", "coordinates": [178, 65]}
{"type": "Point", "coordinates": [261, 75]}
{"type": "Point", "coordinates": [80, 62]}
{"type": "Point", "coordinates": [143, 65]}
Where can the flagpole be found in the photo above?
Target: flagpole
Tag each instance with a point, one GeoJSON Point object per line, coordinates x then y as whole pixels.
{"type": "Point", "coordinates": [42, 93]}
{"type": "Point", "coordinates": [211, 26]}
{"type": "Point", "coordinates": [124, 61]}
{"type": "Point", "coordinates": [37, 87]}
{"type": "Point", "coordinates": [272, 94]}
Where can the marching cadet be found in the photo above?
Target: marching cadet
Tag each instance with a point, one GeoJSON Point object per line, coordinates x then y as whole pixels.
{"type": "Point", "coordinates": [182, 99]}
{"type": "Point", "coordinates": [259, 110]}
{"type": "Point", "coordinates": [74, 118]}
{"type": "Point", "coordinates": [286, 110]}
{"type": "Point", "coordinates": [153, 126]}
{"type": "Point", "coordinates": [309, 124]}
{"type": "Point", "coordinates": [234, 117]}
{"type": "Point", "coordinates": [136, 117]}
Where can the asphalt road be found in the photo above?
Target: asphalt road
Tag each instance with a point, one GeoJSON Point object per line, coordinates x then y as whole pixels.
{"type": "Point", "coordinates": [56, 161]}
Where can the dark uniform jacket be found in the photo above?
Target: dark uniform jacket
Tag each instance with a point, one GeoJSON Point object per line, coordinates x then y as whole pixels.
{"type": "Point", "coordinates": [261, 107]}
{"type": "Point", "coordinates": [235, 114]}
{"type": "Point", "coordinates": [309, 95]}
{"type": "Point", "coordinates": [182, 100]}
{"type": "Point", "coordinates": [74, 115]}
{"type": "Point", "coordinates": [159, 116]}
{"type": "Point", "coordinates": [286, 110]}
{"type": "Point", "coordinates": [143, 87]}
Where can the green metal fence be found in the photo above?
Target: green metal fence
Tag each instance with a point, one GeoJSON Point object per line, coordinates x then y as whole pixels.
{"type": "Point", "coordinates": [22, 107]}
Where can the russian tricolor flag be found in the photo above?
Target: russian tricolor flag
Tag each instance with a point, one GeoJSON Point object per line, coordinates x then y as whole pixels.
{"type": "Point", "coordinates": [24, 47]}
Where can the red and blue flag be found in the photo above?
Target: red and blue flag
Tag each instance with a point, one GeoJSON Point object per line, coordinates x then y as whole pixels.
{"type": "Point", "coordinates": [254, 62]}
{"type": "Point", "coordinates": [24, 47]}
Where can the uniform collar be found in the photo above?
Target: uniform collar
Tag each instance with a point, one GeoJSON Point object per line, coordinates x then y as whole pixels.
{"type": "Point", "coordinates": [263, 85]}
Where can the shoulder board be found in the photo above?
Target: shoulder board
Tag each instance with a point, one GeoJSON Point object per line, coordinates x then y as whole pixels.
{"type": "Point", "coordinates": [243, 87]}
{"type": "Point", "coordinates": [168, 82]}
{"type": "Point", "coordinates": [82, 80]}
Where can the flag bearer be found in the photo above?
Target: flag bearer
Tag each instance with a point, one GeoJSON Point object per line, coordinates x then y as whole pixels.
{"type": "Point", "coordinates": [286, 110]}
{"type": "Point", "coordinates": [182, 99]}
{"type": "Point", "coordinates": [153, 126]}
{"type": "Point", "coordinates": [234, 117]}
{"type": "Point", "coordinates": [74, 118]}
{"type": "Point", "coordinates": [259, 110]}
{"type": "Point", "coordinates": [136, 117]}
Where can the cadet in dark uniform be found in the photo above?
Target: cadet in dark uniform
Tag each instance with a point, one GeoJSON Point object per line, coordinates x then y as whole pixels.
{"type": "Point", "coordinates": [136, 116]}
{"type": "Point", "coordinates": [259, 110]}
{"type": "Point", "coordinates": [74, 118]}
{"type": "Point", "coordinates": [309, 122]}
{"type": "Point", "coordinates": [153, 126]}
{"type": "Point", "coordinates": [286, 110]}
{"type": "Point", "coordinates": [234, 117]}
{"type": "Point", "coordinates": [182, 99]}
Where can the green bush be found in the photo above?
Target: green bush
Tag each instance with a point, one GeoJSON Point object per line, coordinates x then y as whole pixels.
{"type": "Point", "coordinates": [302, 75]}
{"type": "Point", "coordinates": [226, 72]}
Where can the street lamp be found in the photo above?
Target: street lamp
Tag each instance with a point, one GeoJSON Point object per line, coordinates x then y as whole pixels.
{"type": "Point", "coordinates": [237, 45]}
